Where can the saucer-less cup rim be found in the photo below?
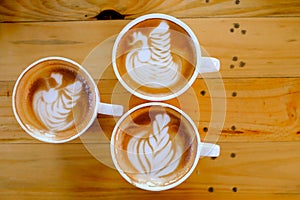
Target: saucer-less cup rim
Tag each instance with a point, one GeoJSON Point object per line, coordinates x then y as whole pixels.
{"type": "Point", "coordinates": [203, 149]}
{"type": "Point", "coordinates": [100, 107]}
{"type": "Point", "coordinates": [200, 61]}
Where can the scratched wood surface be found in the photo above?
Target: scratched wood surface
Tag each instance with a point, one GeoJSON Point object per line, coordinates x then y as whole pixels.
{"type": "Point", "coordinates": [258, 44]}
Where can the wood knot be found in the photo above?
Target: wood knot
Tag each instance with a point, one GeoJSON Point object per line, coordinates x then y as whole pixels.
{"type": "Point", "coordinates": [109, 15]}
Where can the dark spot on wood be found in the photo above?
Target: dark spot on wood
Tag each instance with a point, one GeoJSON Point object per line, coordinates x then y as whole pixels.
{"type": "Point", "coordinates": [237, 2]}
{"type": "Point", "coordinates": [205, 129]}
{"type": "Point", "coordinates": [298, 132]}
{"type": "Point", "coordinates": [234, 94]}
{"type": "Point", "coordinates": [85, 15]}
{"type": "Point", "coordinates": [234, 58]}
{"type": "Point", "coordinates": [206, 1]}
{"type": "Point", "coordinates": [233, 128]}
{"type": "Point", "coordinates": [236, 25]}
{"type": "Point", "coordinates": [231, 66]}
{"type": "Point", "coordinates": [242, 64]}
{"type": "Point", "coordinates": [231, 30]}
{"type": "Point", "coordinates": [292, 40]}
{"type": "Point", "coordinates": [232, 155]}
{"type": "Point", "coordinates": [243, 32]}
{"type": "Point", "coordinates": [203, 92]}
{"type": "Point", "coordinates": [109, 15]}
{"type": "Point", "coordinates": [210, 189]}
{"type": "Point", "coordinates": [213, 158]}
{"type": "Point", "coordinates": [234, 189]}
{"type": "Point", "coordinates": [292, 115]}
{"type": "Point", "coordinates": [7, 94]}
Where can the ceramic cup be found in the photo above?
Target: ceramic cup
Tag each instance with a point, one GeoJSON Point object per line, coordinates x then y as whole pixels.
{"type": "Point", "coordinates": [156, 146]}
{"type": "Point", "coordinates": [158, 57]}
{"type": "Point", "coordinates": [56, 100]}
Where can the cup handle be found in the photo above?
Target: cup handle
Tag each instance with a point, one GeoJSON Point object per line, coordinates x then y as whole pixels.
{"type": "Point", "coordinates": [110, 109]}
{"type": "Point", "coordinates": [209, 64]}
{"type": "Point", "coordinates": [209, 150]}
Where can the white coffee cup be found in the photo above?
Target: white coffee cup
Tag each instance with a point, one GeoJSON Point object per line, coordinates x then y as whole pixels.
{"type": "Point", "coordinates": [156, 146]}
{"type": "Point", "coordinates": [158, 57]}
{"type": "Point", "coordinates": [56, 100]}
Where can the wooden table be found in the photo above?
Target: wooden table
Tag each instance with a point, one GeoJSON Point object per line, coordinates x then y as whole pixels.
{"type": "Point", "coordinates": [258, 44]}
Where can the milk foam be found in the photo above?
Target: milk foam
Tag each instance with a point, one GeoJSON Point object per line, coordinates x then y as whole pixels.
{"type": "Point", "coordinates": [151, 63]}
{"type": "Point", "coordinates": [53, 106]}
{"type": "Point", "coordinates": [153, 152]}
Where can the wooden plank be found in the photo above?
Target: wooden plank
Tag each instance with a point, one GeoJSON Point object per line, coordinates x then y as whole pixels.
{"type": "Point", "coordinates": [266, 170]}
{"type": "Point", "coordinates": [261, 52]}
{"type": "Point", "coordinates": [15, 11]}
{"type": "Point", "coordinates": [257, 109]}
{"type": "Point", "coordinates": [260, 67]}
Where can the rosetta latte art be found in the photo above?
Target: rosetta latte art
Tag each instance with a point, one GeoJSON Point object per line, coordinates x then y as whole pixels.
{"type": "Point", "coordinates": [155, 154]}
{"type": "Point", "coordinates": [151, 63]}
{"type": "Point", "coordinates": [53, 106]}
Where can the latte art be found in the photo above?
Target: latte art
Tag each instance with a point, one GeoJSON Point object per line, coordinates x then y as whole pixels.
{"type": "Point", "coordinates": [155, 58]}
{"type": "Point", "coordinates": [55, 100]}
{"type": "Point", "coordinates": [53, 106]}
{"type": "Point", "coordinates": [155, 154]}
{"type": "Point", "coordinates": [154, 146]}
{"type": "Point", "coordinates": [151, 62]}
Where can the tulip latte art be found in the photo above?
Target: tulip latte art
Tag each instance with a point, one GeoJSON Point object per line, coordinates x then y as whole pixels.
{"type": "Point", "coordinates": [155, 147]}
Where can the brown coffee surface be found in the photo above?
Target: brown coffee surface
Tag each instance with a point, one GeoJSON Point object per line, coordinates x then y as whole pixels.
{"type": "Point", "coordinates": [55, 100]}
{"type": "Point", "coordinates": [155, 146]}
{"type": "Point", "coordinates": [156, 53]}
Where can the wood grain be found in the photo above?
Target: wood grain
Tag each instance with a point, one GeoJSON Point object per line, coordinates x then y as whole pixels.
{"type": "Point", "coordinates": [258, 45]}
{"type": "Point", "coordinates": [263, 53]}
{"type": "Point", "coordinates": [64, 10]}
{"type": "Point", "coordinates": [264, 109]}
{"type": "Point", "coordinates": [257, 170]}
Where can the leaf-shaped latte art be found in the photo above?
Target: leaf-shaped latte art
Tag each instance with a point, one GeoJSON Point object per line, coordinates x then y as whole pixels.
{"type": "Point", "coordinates": [152, 62]}
{"type": "Point", "coordinates": [155, 153]}
{"type": "Point", "coordinates": [53, 107]}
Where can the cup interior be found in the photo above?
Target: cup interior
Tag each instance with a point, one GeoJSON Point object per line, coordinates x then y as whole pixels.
{"type": "Point", "coordinates": [54, 100]}
{"type": "Point", "coordinates": [155, 57]}
{"type": "Point", "coordinates": [154, 146]}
